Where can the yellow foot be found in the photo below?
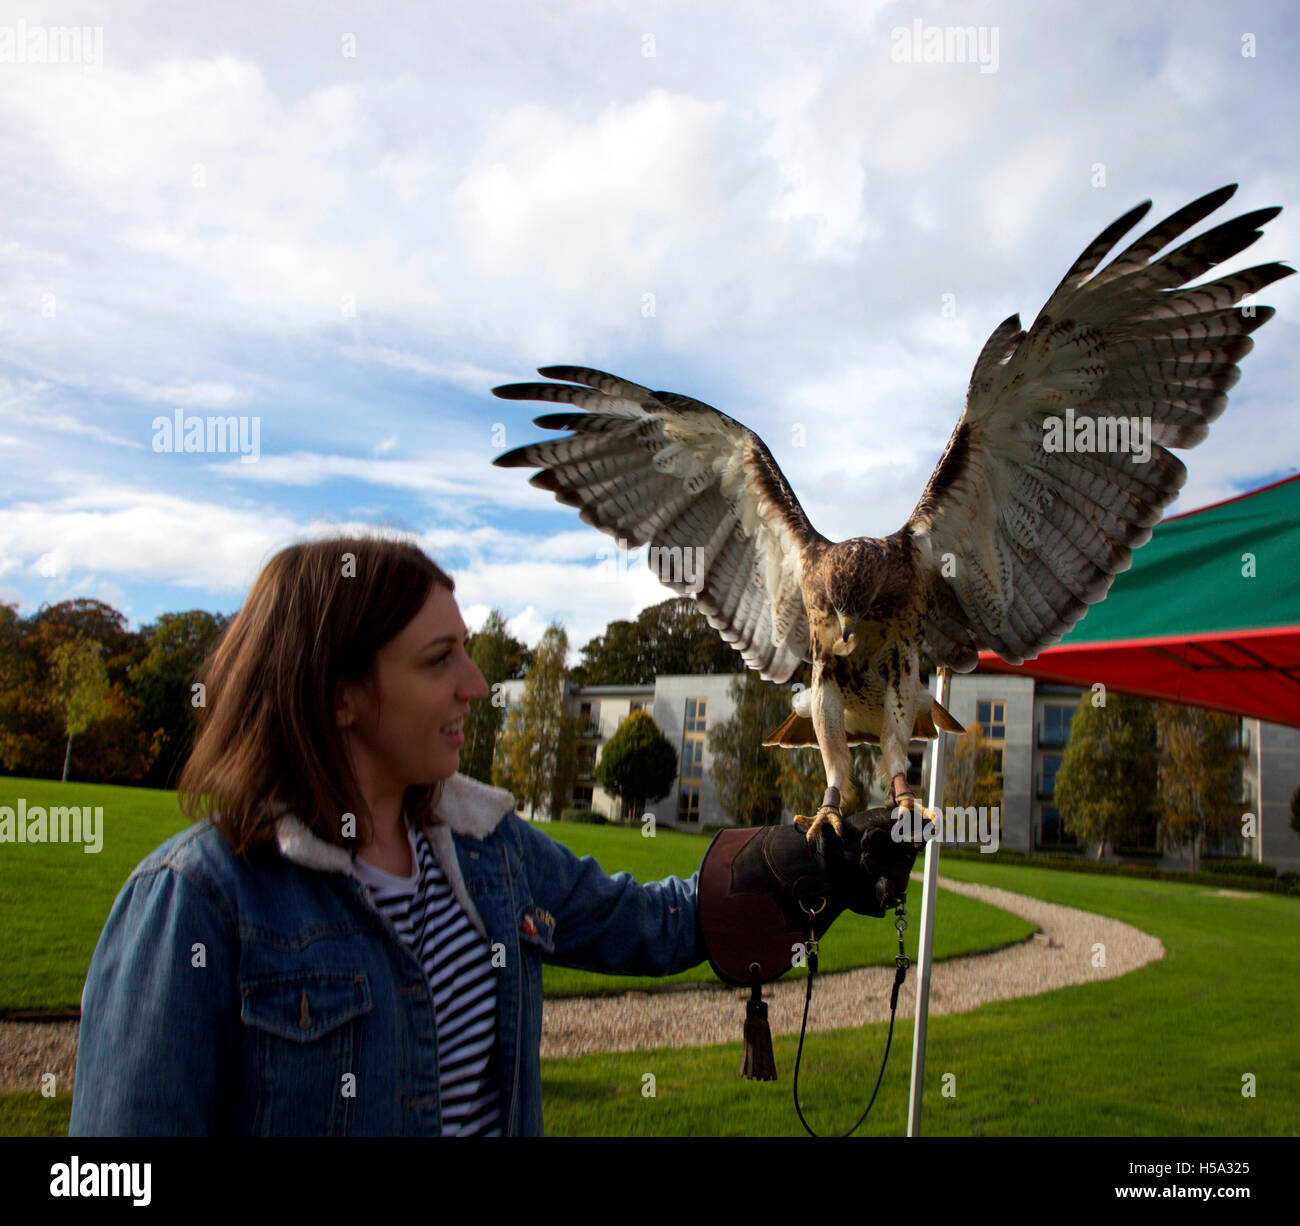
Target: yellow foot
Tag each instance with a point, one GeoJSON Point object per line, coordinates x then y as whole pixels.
{"type": "Point", "coordinates": [914, 808]}
{"type": "Point", "coordinates": [811, 826]}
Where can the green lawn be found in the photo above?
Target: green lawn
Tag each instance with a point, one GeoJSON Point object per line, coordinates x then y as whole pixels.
{"type": "Point", "coordinates": [1161, 1051]}
{"type": "Point", "coordinates": [48, 945]}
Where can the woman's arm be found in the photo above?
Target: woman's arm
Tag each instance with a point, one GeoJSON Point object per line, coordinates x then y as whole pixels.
{"type": "Point", "coordinates": [157, 1049]}
{"type": "Point", "coordinates": [612, 924]}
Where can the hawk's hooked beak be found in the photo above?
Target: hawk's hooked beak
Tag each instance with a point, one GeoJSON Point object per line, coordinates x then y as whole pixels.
{"type": "Point", "coordinates": [847, 643]}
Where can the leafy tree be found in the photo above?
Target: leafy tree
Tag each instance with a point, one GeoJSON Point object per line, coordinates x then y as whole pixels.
{"type": "Point", "coordinates": [1106, 786]}
{"type": "Point", "coordinates": [672, 637]}
{"type": "Point", "coordinates": [28, 722]}
{"type": "Point", "coordinates": [970, 775]}
{"type": "Point", "coordinates": [1200, 775]}
{"type": "Point", "coordinates": [536, 752]}
{"type": "Point", "coordinates": [500, 657]}
{"type": "Point", "coordinates": [81, 689]}
{"type": "Point", "coordinates": [162, 682]}
{"type": "Point", "coordinates": [638, 763]}
{"type": "Point", "coordinates": [756, 782]}
{"type": "Point", "coordinates": [747, 775]}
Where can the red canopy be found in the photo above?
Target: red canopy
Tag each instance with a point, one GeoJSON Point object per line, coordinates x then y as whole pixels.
{"type": "Point", "coordinates": [1208, 614]}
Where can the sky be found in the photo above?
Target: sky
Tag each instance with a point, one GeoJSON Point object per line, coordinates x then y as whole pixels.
{"type": "Point", "coordinates": [343, 225]}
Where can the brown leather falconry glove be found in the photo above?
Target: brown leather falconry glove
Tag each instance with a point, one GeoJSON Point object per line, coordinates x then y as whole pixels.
{"type": "Point", "coordinates": [753, 882]}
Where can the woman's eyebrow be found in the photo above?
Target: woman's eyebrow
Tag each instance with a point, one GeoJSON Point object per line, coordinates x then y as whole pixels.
{"type": "Point", "coordinates": [445, 638]}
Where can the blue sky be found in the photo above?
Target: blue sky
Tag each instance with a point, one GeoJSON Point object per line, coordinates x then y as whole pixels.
{"type": "Point", "coordinates": [350, 226]}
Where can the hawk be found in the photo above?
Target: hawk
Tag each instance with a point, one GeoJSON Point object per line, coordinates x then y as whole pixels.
{"type": "Point", "coordinates": [1034, 508]}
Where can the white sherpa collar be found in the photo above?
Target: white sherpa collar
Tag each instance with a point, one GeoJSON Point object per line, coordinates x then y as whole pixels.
{"type": "Point", "coordinates": [468, 806]}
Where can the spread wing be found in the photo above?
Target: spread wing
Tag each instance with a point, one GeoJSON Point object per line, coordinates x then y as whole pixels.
{"type": "Point", "coordinates": [1030, 536]}
{"type": "Point", "coordinates": [700, 488]}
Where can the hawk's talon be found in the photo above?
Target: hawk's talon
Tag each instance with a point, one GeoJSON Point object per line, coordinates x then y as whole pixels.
{"type": "Point", "coordinates": [812, 826]}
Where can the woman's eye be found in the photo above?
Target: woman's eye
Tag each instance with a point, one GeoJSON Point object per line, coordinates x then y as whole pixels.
{"type": "Point", "coordinates": [439, 660]}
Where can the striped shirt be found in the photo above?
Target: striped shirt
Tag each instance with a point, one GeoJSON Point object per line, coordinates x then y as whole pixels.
{"type": "Point", "coordinates": [457, 964]}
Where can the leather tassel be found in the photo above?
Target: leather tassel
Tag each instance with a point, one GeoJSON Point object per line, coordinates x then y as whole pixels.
{"type": "Point", "coordinates": [759, 1062]}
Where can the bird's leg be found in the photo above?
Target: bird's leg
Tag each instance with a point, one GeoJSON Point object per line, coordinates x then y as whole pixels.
{"type": "Point", "coordinates": [827, 711]}
{"type": "Point", "coordinates": [897, 722]}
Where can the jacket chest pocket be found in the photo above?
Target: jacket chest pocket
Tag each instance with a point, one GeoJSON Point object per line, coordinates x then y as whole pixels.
{"type": "Point", "coordinates": [536, 927]}
{"type": "Point", "coordinates": [305, 1030]}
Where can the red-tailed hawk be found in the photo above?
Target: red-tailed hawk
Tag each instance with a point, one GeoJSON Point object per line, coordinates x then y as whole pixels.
{"type": "Point", "coordinates": [1055, 473]}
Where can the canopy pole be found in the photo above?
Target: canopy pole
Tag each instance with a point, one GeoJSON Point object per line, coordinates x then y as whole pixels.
{"type": "Point", "coordinates": [925, 942]}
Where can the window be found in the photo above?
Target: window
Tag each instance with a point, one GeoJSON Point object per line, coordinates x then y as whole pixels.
{"type": "Point", "coordinates": [590, 714]}
{"type": "Point", "coordinates": [586, 759]}
{"type": "Point", "coordinates": [1047, 784]}
{"type": "Point", "coordinates": [688, 803]}
{"type": "Point", "coordinates": [1051, 832]}
{"type": "Point", "coordinates": [915, 761]}
{"type": "Point", "coordinates": [582, 795]}
{"type": "Point", "coordinates": [637, 704]}
{"type": "Point", "coordinates": [1054, 731]}
{"type": "Point", "coordinates": [992, 717]}
{"type": "Point", "coordinates": [692, 753]}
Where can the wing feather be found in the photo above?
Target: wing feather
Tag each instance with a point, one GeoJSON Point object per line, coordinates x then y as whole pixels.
{"type": "Point", "coordinates": [1016, 540]}
{"type": "Point", "coordinates": [667, 470]}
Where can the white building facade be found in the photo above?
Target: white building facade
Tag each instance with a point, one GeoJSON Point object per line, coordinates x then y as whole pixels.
{"type": "Point", "coordinates": [1028, 721]}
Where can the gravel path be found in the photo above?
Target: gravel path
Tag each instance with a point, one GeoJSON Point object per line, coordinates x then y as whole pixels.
{"type": "Point", "coordinates": [1060, 954]}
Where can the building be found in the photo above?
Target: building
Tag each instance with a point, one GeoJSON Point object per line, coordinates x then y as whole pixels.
{"type": "Point", "coordinates": [1029, 720]}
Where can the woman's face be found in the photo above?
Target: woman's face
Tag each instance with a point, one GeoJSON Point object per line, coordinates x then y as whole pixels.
{"type": "Point", "coordinates": [422, 680]}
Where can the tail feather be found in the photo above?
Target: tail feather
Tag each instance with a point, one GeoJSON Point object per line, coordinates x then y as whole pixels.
{"type": "Point", "coordinates": [944, 719]}
{"type": "Point", "coordinates": [797, 730]}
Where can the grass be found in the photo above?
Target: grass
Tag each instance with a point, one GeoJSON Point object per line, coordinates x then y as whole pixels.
{"type": "Point", "coordinates": [1161, 1051]}
{"type": "Point", "coordinates": [48, 945]}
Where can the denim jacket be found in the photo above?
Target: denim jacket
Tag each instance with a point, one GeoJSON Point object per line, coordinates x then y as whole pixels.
{"type": "Point", "coordinates": [274, 998]}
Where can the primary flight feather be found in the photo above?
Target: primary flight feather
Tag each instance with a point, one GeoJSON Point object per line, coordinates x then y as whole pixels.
{"type": "Point", "coordinates": [1013, 537]}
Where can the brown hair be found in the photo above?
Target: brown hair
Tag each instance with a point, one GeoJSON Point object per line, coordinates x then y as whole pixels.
{"type": "Point", "coordinates": [268, 737]}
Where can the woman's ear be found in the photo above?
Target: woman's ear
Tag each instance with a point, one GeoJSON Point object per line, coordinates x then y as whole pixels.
{"type": "Point", "coordinates": [345, 705]}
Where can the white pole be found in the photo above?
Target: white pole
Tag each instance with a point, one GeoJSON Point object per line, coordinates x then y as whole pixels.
{"type": "Point", "coordinates": [925, 942]}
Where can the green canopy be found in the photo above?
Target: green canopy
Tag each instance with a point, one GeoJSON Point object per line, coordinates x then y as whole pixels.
{"type": "Point", "coordinates": [1208, 614]}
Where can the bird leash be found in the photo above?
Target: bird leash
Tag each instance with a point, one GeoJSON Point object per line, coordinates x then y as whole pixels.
{"type": "Point", "coordinates": [901, 961]}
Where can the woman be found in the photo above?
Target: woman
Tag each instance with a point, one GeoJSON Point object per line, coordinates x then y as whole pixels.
{"type": "Point", "coordinates": [350, 942]}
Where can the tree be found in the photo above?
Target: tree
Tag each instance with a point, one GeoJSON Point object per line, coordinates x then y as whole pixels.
{"type": "Point", "coordinates": [538, 728]}
{"type": "Point", "coordinates": [1200, 774]}
{"type": "Point", "coordinates": [27, 720]}
{"type": "Point", "coordinates": [672, 637]}
{"type": "Point", "coordinates": [756, 783]}
{"type": "Point", "coordinates": [638, 764]}
{"type": "Point", "coordinates": [1106, 786]}
{"type": "Point", "coordinates": [81, 689]}
{"type": "Point", "coordinates": [500, 657]}
{"type": "Point", "coordinates": [162, 683]}
{"type": "Point", "coordinates": [970, 774]}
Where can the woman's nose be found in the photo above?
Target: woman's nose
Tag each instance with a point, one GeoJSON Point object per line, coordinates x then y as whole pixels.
{"type": "Point", "coordinates": [477, 686]}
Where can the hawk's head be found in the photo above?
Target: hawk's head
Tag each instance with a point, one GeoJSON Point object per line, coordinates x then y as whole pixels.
{"type": "Point", "coordinates": [853, 579]}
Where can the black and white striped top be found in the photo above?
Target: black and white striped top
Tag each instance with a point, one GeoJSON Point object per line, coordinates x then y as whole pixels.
{"type": "Point", "coordinates": [457, 963]}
